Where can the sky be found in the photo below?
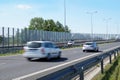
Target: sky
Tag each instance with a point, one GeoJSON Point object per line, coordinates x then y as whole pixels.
{"type": "Point", "coordinates": [18, 13]}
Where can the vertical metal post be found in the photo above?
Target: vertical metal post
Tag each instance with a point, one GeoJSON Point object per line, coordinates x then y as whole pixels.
{"type": "Point", "coordinates": [42, 35]}
{"type": "Point", "coordinates": [8, 38]}
{"type": "Point", "coordinates": [64, 13]}
{"type": "Point", "coordinates": [36, 34]}
{"type": "Point", "coordinates": [17, 37]}
{"type": "Point", "coordinates": [114, 54]}
{"type": "Point", "coordinates": [110, 57]}
{"type": "Point", "coordinates": [13, 39]}
{"type": "Point", "coordinates": [3, 40]}
{"type": "Point", "coordinates": [39, 34]}
{"type": "Point", "coordinates": [55, 37]}
{"type": "Point", "coordinates": [102, 66]}
{"type": "Point", "coordinates": [22, 35]}
{"type": "Point", "coordinates": [81, 74]}
{"type": "Point", "coordinates": [117, 52]}
{"type": "Point", "coordinates": [18, 40]}
{"type": "Point", "coordinates": [26, 35]}
{"type": "Point", "coordinates": [29, 35]}
{"type": "Point", "coordinates": [46, 34]}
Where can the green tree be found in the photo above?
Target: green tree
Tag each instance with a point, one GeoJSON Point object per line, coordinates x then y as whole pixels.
{"type": "Point", "coordinates": [60, 27]}
{"type": "Point", "coordinates": [49, 25]}
{"type": "Point", "coordinates": [66, 29]}
{"type": "Point", "coordinates": [38, 23]}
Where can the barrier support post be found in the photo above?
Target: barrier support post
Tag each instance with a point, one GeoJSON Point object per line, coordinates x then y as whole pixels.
{"type": "Point", "coordinates": [102, 66]}
{"type": "Point", "coordinates": [81, 74]}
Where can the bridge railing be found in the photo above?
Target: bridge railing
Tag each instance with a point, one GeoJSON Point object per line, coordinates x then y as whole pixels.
{"type": "Point", "coordinates": [68, 71]}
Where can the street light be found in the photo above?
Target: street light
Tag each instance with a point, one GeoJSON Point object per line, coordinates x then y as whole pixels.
{"type": "Point", "coordinates": [91, 13]}
{"type": "Point", "coordinates": [64, 13]}
{"type": "Point", "coordinates": [107, 20]}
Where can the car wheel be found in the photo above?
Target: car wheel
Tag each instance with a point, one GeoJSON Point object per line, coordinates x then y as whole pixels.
{"type": "Point", "coordinates": [97, 50]}
{"type": "Point", "coordinates": [29, 59]}
{"type": "Point", "coordinates": [59, 55]}
{"type": "Point", "coordinates": [83, 50]}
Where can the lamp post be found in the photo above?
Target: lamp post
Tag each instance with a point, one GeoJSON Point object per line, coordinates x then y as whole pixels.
{"type": "Point", "coordinates": [91, 14]}
{"type": "Point", "coordinates": [64, 13]}
{"type": "Point", "coordinates": [107, 20]}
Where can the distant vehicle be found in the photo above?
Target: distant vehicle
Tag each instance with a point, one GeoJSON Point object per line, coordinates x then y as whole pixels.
{"type": "Point", "coordinates": [70, 43]}
{"type": "Point", "coordinates": [41, 49]}
{"type": "Point", "coordinates": [117, 38]}
{"type": "Point", "coordinates": [90, 46]}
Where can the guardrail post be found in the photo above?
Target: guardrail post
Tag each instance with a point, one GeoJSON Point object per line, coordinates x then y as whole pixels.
{"type": "Point", "coordinates": [117, 52]}
{"type": "Point", "coordinates": [114, 54]}
{"type": "Point", "coordinates": [81, 73]}
{"type": "Point", "coordinates": [102, 67]}
{"type": "Point", "coordinates": [110, 57]}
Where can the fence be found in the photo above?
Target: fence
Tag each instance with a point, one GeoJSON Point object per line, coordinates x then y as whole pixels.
{"type": "Point", "coordinates": [12, 39]}
{"type": "Point", "coordinates": [72, 69]}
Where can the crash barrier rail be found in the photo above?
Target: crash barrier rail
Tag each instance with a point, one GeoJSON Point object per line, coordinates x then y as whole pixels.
{"type": "Point", "coordinates": [70, 70]}
{"type": "Point", "coordinates": [15, 48]}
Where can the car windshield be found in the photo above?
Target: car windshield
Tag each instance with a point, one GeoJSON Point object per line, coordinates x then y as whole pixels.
{"type": "Point", "coordinates": [88, 43]}
{"type": "Point", "coordinates": [34, 45]}
{"type": "Point", "coordinates": [69, 41]}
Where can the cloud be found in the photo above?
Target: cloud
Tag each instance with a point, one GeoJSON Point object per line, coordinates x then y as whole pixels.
{"type": "Point", "coordinates": [24, 7]}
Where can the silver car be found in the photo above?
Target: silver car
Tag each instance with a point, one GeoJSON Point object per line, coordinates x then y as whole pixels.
{"type": "Point", "coordinates": [90, 46]}
{"type": "Point", "coordinates": [41, 49]}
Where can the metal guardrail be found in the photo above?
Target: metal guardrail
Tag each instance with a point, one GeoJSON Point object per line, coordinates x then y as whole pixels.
{"type": "Point", "coordinates": [74, 68]}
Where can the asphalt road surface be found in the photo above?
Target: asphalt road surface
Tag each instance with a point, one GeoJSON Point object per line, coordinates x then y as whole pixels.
{"type": "Point", "coordinates": [16, 66]}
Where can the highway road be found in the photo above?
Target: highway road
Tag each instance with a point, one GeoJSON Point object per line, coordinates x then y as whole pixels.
{"type": "Point", "coordinates": [16, 66]}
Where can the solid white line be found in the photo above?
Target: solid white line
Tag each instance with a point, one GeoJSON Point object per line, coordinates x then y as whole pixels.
{"type": "Point", "coordinates": [35, 73]}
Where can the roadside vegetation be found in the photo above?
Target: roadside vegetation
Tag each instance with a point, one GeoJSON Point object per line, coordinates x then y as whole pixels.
{"type": "Point", "coordinates": [111, 72]}
{"type": "Point", "coordinates": [12, 53]}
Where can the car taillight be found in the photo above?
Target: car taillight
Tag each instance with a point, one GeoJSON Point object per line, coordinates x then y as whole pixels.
{"type": "Point", "coordinates": [43, 50]}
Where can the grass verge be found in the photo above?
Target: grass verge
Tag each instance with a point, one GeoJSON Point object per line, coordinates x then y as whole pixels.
{"type": "Point", "coordinates": [12, 53]}
{"type": "Point", "coordinates": [111, 71]}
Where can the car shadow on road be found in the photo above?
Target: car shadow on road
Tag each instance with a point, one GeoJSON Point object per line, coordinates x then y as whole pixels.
{"type": "Point", "coordinates": [62, 59]}
{"type": "Point", "coordinates": [93, 51]}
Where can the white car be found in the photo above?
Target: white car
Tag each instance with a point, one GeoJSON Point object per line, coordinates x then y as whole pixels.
{"type": "Point", "coordinates": [41, 49]}
{"type": "Point", "coordinates": [70, 43]}
{"type": "Point", "coordinates": [90, 46]}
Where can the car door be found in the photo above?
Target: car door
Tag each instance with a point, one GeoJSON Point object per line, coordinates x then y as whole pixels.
{"type": "Point", "coordinates": [50, 49]}
{"type": "Point", "coordinates": [53, 50]}
{"type": "Point", "coordinates": [47, 48]}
